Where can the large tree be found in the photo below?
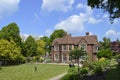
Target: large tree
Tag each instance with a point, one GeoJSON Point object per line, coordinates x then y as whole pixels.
{"type": "Point", "coordinates": [110, 6]}
{"type": "Point", "coordinates": [57, 34]}
{"type": "Point", "coordinates": [10, 52]}
{"type": "Point", "coordinates": [30, 47]}
{"type": "Point", "coordinates": [40, 47]}
{"type": "Point", "coordinates": [105, 44]}
{"type": "Point", "coordinates": [11, 32]}
{"type": "Point", "coordinates": [47, 43]}
{"type": "Point", "coordinates": [77, 54]}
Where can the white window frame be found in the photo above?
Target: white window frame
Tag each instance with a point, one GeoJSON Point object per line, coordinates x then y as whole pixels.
{"type": "Point", "coordinates": [64, 47]}
{"type": "Point", "coordinates": [56, 48]}
{"type": "Point", "coordinates": [84, 47]}
{"type": "Point", "coordinates": [56, 57]}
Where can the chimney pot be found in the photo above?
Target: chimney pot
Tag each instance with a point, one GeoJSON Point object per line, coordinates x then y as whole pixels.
{"type": "Point", "coordinates": [87, 34]}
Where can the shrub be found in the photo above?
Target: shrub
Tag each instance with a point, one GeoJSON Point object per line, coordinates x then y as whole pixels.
{"type": "Point", "coordinates": [72, 75]}
{"type": "Point", "coordinates": [72, 70]}
{"type": "Point", "coordinates": [84, 71]}
{"type": "Point", "coordinates": [97, 70]}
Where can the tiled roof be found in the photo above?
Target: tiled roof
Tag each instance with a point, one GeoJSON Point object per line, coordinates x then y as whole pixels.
{"type": "Point", "coordinates": [67, 39]}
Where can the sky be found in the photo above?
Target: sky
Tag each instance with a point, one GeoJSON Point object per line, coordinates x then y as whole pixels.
{"type": "Point", "coordinates": [42, 17]}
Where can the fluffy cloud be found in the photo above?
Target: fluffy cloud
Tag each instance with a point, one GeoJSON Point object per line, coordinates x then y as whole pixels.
{"type": "Point", "coordinates": [75, 23]}
{"type": "Point", "coordinates": [113, 34]}
{"type": "Point", "coordinates": [8, 7]}
{"type": "Point", "coordinates": [48, 32]}
{"type": "Point", "coordinates": [57, 5]}
{"type": "Point", "coordinates": [25, 36]}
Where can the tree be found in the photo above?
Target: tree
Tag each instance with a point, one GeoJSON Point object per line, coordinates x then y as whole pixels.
{"type": "Point", "coordinates": [105, 44]}
{"type": "Point", "coordinates": [57, 34]}
{"type": "Point", "coordinates": [107, 53]}
{"type": "Point", "coordinates": [30, 47]}
{"type": "Point", "coordinates": [10, 52]}
{"type": "Point", "coordinates": [47, 43]}
{"type": "Point", "coordinates": [76, 54]}
{"type": "Point", "coordinates": [11, 32]}
{"type": "Point", "coordinates": [40, 47]}
{"type": "Point", "coordinates": [110, 6]}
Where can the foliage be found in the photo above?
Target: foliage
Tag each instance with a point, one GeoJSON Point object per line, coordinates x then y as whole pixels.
{"type": "Point", "coordinates": [40, 47]}
{"type": "Point", "coordinates": [84, 71]}
{"type": "Point", "coordinates": [30, 47]}
{"type": "Point", "coordinates": [104, 62]}
{"type": "Point", "coordinates": [70, 77]}
{"type": "Point", "coordinates": [11, 32]}
{"type": "Point", "coordinates": [72, 70]}
{"type": "Point", "coordinates": [10, 52]}
{"type": "Point", "coordinates": [111, 6]}
{"type": "Point", "coordinates": [47, 43]}
{"type": "Point", "coordinates": [57, 34]}
{"type": "Point", "coordinates": [76, 54]}
{"type": "Point", "coordinates": [105, 53]}
{"type": "Point", "coordinates": [105, 44]}
{"type": "Point", "coordinates": [98, 70]}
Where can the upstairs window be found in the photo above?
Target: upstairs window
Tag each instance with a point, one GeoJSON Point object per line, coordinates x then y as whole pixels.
{"type": "Point", "coordinates": [64, 48]}
{"type": "Point", "coordinates": [56, 48]}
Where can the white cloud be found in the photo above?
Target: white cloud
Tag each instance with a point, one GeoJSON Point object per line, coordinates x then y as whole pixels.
{"type": "Point", "coordinates": [48, 32]}
{"type": "Point", "coordinates": [113, 34]}
{"type": "Point", "coordinates": [24, 36]}
{"type": "Point", "coordinates": [93, 20]}
{"type": "Point", "coordinates": [79, 6]}
{"type": "Point", "coordinates": [105, 16]}
{"type": "Point", "coordinates": [57, 5]}
{"type": "Point", "coordinates": [75, 23]}
{"type": "Point", "coordinates": [8, 7]}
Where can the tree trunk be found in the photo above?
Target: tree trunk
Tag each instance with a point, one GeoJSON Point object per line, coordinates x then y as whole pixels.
{"type": "Point", "coordinates": [78, 68]}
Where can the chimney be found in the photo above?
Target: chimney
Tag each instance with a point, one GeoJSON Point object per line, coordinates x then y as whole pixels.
{"type": "Point", "coordinates": [87, 33]}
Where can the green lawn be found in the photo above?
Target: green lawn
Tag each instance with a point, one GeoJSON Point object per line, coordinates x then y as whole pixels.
{"type": "Point", "coordinates": [27, 72]}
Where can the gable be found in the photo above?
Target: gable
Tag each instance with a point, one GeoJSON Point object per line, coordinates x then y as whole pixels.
{"type": "Point", "coordinates": [56, 43]}
{"type": "Point", "coordinates": [82, 41]}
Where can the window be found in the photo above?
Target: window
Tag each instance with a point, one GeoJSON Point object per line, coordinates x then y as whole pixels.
{"type": "Point", "coordinates": [70, 47]}
{"type": "Point", "coordinates": [64, 57]}
{"type": "Point", "coordinates": [64, 47]}
{"type": "Point", "coordinates": [84, 47]}
{"type": "Point", "coordinates": [56, 57]}
{"type": "Point", "coordinates": [56, 48]}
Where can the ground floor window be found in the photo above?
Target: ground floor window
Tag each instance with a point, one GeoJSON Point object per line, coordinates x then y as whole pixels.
{"type": "Point", "coordinates": [56, 57]}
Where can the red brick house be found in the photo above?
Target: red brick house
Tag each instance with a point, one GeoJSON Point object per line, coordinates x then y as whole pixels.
{"type": "Point", "coordinates": [62, 46]}
{"type": "Point", "coordinates": [115, 47]}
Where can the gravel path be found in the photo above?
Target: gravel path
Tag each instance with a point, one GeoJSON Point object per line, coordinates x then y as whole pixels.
{"type": "Point", "coordinates": [58, 77]}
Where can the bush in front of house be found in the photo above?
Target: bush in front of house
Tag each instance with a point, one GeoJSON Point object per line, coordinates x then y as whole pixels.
{"type": "Point", "coordinates": [71, 75]}
{"type": "Point", "coordinates": [84, 71]}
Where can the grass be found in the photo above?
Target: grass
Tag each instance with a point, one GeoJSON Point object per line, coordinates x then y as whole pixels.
{"type": "Point", "coordinates": [114, 72]}
{"type": "Point", "coordinates": [27, 72]}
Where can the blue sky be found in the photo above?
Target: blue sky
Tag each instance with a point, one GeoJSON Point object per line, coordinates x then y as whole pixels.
{"type": "Point", "coordinates": [42, 17]}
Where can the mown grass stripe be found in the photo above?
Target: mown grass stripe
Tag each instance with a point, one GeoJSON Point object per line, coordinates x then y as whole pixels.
{"type": "Point", "coordinates": [27, 72]}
